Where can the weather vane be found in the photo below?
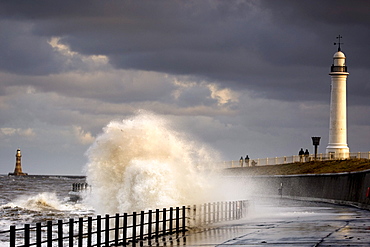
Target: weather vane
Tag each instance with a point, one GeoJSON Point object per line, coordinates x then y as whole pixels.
{"type": "Point", "coordinates": [339, 37]}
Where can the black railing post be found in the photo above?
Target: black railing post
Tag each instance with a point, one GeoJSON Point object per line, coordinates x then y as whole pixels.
{"type": "Point", "coordinates": [177, 220]}
{"type": "Point", "coordinates": [214, 212]}
{"type": "Point", "coordinates": [241, 208]}
{"type": "Point", "coordinates": [200, 213]}
{"type": "Point", "coordinates": [38, 235]}
{"type": "Point", "coordinates": [27, 235]}
{"type": "Point", "coordinates": [12, 236]}
{"type": "Point", "coordinates": [164, 214]}
{"type": "Point", "coordinates": [80, 232]}
{"type": "Point", "coordinates": [98, 230]}
{"type": "Point", "coordinates": [71, 225]}
{"type": "Point", "coordinates": [209, 213]}
{"type": "Point", "coordinates": [222, 210]}
{"type": "Point", "coordinates": [133, 228]}
{"type": "Point", "coordinates": [116, 229]}
{"type": "Point", "coordinates": [238, 207]}
{"type": "Point", "coordinates": [171, 220]}
{"type": "Point", "coordinates": [218, 212]}
{"type": "Point", "coordinates": [194, 213]}
{"type": "Point", "coordinates": [106, 238]}
{"type": "Point", "coordinates": [150, 224]}
{"type": "Point", "coordinates": [183, 219]}
{"type": "Point", "coordinates": [230, 210]}
{"type": "Point", "coordinates": [49, 226]}
{"type": "Point", "coordinates": [234, 210]}
{"type": "Point", "coordinates": [60, 233]}
{"type": "Point", "coordinates": [205, 212]}
{"type": "Point", "coordinates": [124, 234]}
{"type": "Point", "coordinates": [142, 221]}
{"type": "Point", "coordinates": [157, 223]}
{"type": "Point", "coordinates": [89, 231]}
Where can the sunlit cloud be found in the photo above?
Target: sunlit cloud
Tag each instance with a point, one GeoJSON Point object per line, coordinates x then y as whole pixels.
{"type": "Point", "coordinates": [84, 137]}
{"type": "Point", "coordinates": [17, 132]}
{"type": "Point", "coordinates": [223, 96]}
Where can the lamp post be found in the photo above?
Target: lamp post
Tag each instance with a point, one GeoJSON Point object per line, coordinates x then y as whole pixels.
{"type": "Point", "coordinates": [316, 142]}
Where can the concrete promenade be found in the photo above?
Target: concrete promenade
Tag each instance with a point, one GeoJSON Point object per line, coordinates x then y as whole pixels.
{"type": "Point", "coordinates": [283, 222]}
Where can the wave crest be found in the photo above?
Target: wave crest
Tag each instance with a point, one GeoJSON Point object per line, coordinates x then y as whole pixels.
{"type": "Point", "coordinates": [142, 163]}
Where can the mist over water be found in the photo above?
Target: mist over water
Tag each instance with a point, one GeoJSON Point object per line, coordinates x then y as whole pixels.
{"type": "Point", "coordinates": [143, 163]}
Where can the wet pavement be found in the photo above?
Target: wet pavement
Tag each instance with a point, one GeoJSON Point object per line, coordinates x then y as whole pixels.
{"type": "Point", "coordinates": [283, 222]}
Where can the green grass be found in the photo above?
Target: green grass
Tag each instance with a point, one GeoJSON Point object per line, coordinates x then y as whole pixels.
{"type": "Point", "coordinates": [312, 167]}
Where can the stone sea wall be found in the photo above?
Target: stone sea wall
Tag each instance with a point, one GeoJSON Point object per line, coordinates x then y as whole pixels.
{"type": "Point", "coordinates": [343, 188]}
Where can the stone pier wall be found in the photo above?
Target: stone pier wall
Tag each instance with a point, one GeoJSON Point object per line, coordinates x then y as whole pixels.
{"type": "Point", "coordinates": [343, 188]}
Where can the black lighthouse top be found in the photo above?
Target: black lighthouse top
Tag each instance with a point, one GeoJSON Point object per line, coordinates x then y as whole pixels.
{"type": "Point", "coordinates": [338, 43]}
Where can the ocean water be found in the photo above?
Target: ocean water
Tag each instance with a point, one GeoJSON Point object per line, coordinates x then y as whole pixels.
{"type": "Point", "coordinates": [139, 163]}
{"type": "Point", "coordinates": [32, 199]}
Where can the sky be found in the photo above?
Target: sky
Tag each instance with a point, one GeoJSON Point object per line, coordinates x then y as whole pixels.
{"type": "Point", "coordinates": [244, 77]}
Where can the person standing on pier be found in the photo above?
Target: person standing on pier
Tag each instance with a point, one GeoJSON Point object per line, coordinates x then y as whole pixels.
{"type": "Point", "coordinates": [306, 155]}
{"type": "Point", "coordinates": [247, 160]}
{"type": "Point", "coordinates": [301, 154]}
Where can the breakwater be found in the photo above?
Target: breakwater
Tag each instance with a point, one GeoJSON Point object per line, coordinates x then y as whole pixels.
{"type": "Point", "coordinates": [350, 188]}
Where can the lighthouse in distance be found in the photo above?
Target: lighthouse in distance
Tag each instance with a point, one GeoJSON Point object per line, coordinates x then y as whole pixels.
{"type": "Point", "coordinates": [18, 165]}
{"type": "Point", "coordinates": [338, 147]}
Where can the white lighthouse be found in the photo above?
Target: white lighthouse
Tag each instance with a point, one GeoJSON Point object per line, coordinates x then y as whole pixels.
{"type": "Point", "coordinates": [338, 147]}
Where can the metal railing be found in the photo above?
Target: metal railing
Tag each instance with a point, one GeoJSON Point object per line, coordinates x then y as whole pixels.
{"type": "Point", "coordinates": [210, 213]}
{"type": "Point", "coordinates": [125, 229]}
{"type": "Point", "coordinates": [292, 159]}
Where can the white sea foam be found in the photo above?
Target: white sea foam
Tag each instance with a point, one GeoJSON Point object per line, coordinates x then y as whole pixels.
{"type": "Point", "coordinates": [142, 163]}
{"type": "Point", "coordinates": [45, 201]}
{"type": "Point", "coordinates": [40, 202]}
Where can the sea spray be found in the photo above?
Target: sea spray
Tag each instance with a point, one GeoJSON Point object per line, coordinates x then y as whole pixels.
{"type": "Point", "coordinates": [142, 163]}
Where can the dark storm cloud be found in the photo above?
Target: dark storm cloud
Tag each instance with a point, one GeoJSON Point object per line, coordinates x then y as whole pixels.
{"type": "Point", "coordinates": [333, 12]}
{"type": "Point", "coordinates": [194, 96]}
{"type": "Point", "coordinates": [351, 19]}
{"type": "Point", "coordinates": [270, 47]}
{"type": "Point", "coordinates": [25, 53]}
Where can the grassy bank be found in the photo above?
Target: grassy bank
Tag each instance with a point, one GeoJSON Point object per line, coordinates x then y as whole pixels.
{"type": "Point", "coordinates": [312, 167]}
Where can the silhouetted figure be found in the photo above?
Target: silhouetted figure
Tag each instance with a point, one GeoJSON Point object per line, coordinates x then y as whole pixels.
{"type": "Point", "coordinates": [307, 155]}
{"type": "Point", "coordinates": [247, 160]}
{"type": "Point", "coordinates": [241, 161]}
{"type": "Point", "coordinates": [301, 154]}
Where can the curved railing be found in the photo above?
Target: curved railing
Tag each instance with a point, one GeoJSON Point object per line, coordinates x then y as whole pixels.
{"type": "Point", "coordinates": [291, 159]}
{"type": "Point", "coordinates": [123, 229]}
